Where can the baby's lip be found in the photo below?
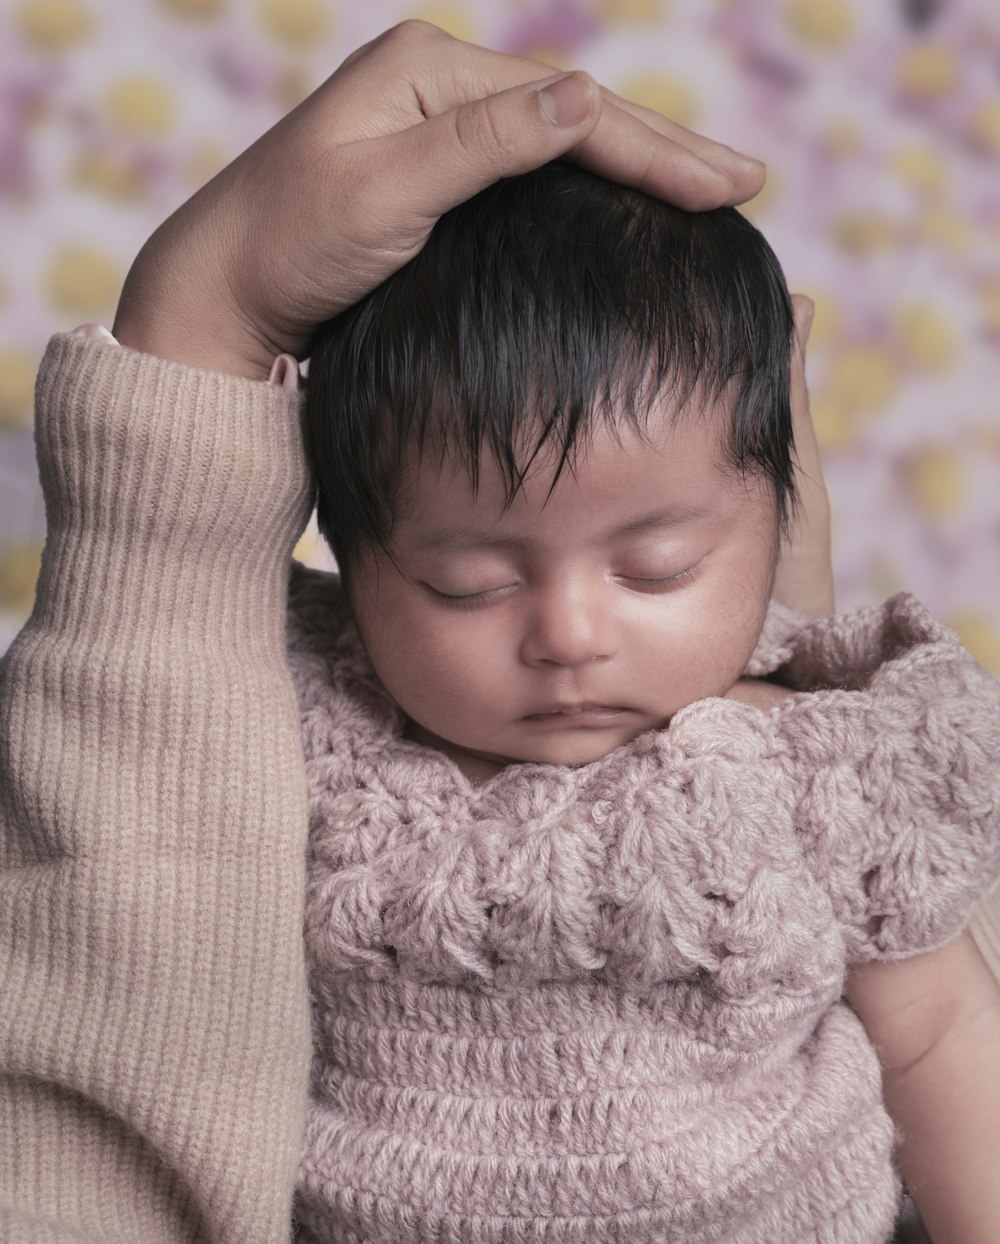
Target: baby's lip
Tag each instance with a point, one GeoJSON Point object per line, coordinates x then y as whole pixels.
{"type": "Point", "coordinates": [576, 709]}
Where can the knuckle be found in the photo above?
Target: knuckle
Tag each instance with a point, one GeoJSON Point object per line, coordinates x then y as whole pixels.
{"type": "Point", "coordinates": [414, 30]}
{"type": "Point", "coordinates": [397, 42]}
{"type": "Point", "coordinates": [355, 56]}
{"type": "Point", "coordinates": [481, 132]}
{"type": "Point", "coordinates": [644, 178]}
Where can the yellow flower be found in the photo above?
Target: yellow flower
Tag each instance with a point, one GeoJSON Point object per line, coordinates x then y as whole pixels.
{"type": "Point", "coordinates": [664, 93]}
{"type": "Point", "coordinates": [936, 479]}
{"type": "Point", "coordinates": [863, 378]}
{"type": "Point", "coordinates": [84, 281]}
{"type": "Point", "coordinates": [53, 25]}
{"type": "Point", "coordinates": [140, 105]}
{"type": "Point", "coordinates": [929, 70]}
{"type": "Point", "coordinates": [298, 23]}
{"type": "Point", "coordinates": [17, 387]}
{"type": "Point", "coordinates": [926, 337]}
{"type": "Point", "coordinates": [980, 633]}
{"type": "Point", "coordinates": [827, 24]}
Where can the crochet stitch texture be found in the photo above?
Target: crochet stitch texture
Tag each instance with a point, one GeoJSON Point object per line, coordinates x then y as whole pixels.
{"type": "Point", "coordinates": [604, 1003]}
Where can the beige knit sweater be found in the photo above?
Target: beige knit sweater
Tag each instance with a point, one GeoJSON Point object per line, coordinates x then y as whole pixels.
{"type": "Point", "coordinates": [154, 1024]}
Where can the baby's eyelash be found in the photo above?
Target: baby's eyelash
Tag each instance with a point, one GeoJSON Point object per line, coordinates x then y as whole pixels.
{"type": "Point", "coordinates": [475, 600]}
{"type": "Point", "coordinates": [672, 580]}
{"type": "Point", "coordinates": [470, 601]}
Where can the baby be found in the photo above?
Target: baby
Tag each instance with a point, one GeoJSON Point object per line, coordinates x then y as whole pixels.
{"type": "Point", "coordinates": [577, 924]}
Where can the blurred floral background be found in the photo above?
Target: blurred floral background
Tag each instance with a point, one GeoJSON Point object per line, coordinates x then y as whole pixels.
{"type": "Point", "coordinates": [879, 122]}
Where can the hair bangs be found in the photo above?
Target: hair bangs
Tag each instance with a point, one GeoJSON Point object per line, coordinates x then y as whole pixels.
{"type": "Point", "coordinates": [546, 305]}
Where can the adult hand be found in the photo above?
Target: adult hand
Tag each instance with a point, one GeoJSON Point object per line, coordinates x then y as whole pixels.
{"type": "Point", "coordinates": [346, 188]}
{"type": "Point", "coordinates": [804, 579]}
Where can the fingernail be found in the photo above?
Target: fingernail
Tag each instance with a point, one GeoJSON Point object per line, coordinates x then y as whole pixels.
{"type": "Point", "coordinates": [749, 161]}
{"type": "Point", "coordinates": [566, 102]}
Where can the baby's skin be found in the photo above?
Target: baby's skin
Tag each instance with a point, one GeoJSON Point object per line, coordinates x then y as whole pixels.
{"type": "Point", "coordinates": [558, 628]}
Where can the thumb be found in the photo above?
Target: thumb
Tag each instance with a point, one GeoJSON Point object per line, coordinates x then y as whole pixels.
{"type": "Point", "coordinates": [568, 102]}
{"type": "Point", "coordinates": [804, 577]}
{"type": "Point", "coordinates": [450, 157]}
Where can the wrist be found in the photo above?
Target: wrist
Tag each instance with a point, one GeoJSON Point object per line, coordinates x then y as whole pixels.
{"type": "Point", "coordinates": [160, 313]}
{"type": "Point", "coordinates": [283, 374]}
{"type": "Point", "coordinates": [181, 344]}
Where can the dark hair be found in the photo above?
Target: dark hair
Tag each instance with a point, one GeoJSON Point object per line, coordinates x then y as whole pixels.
{"type": "Point", "coordinates": [533, 308]}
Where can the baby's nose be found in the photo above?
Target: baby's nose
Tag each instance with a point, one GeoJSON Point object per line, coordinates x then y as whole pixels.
{"type": "Point", "coordinates": [568, 626]}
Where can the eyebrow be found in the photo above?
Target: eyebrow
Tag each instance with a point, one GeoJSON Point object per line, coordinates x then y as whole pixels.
{"type": "Point", "coordinates": [467, 536]}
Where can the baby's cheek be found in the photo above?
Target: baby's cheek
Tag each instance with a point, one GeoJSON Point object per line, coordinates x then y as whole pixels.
{"type": "Point", "coordinates": [718, 651]}
{"type": "Point", "coordinates": [440, 673]}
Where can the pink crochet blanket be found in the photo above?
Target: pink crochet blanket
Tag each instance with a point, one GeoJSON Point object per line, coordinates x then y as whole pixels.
{"type": "Point", "coordinates": [604, 1004]}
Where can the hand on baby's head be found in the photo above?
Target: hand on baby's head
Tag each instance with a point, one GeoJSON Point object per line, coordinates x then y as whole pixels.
{"type": "Point", "coordinates": [558, 478]}
{"type": "Point", "coordinates": [345, 189]}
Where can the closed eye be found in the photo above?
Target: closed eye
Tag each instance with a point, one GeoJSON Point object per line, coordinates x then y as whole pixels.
{"type": "Point", "coordinates": [660, 584]}
{"type": "Point", "coordinates": [471, 600]}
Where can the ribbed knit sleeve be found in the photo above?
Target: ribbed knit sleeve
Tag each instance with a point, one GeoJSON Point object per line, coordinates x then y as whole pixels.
{"type": "Point", "coordinates": [897, 774]}
{"type": "Point", "coordinates": [154, 1029]}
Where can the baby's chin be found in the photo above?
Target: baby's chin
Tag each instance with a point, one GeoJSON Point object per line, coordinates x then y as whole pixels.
{"type": "Point", "coordinates": [570, 749]}
{"type": "Point", "coordinates": [574, 753]}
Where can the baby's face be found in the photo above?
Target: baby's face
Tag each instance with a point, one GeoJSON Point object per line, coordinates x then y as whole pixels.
{"type": "Point", "coordinates": [561, 628]}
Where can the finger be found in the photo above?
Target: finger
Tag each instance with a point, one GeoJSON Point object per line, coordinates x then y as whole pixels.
{"type": "Point", "coordinates": [623, 148]}
{"type": "Point", "coordinates": [746, 172]}
{"type": "Point", "coordinates": [454, 155]}
{"type": "Point", "coordinates": [446, 84]}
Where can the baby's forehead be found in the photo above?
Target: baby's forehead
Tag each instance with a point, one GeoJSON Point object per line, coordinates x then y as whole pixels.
{"type": "Point", "coordinates": [674, 461]}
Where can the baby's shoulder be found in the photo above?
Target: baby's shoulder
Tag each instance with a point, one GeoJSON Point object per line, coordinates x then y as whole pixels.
{"type": "Point", "coordinates": [759, 693]}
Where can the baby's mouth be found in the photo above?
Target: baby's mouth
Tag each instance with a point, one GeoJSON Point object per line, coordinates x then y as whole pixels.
{"type": "Point", "coordinates": [586, 711]}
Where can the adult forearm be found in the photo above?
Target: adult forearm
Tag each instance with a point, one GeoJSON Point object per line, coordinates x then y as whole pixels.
{"type": "Point", "coordinates": [154, 1036]}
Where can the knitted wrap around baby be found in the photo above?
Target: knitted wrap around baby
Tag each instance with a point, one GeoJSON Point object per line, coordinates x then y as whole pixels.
{"type": "Point", "coordinates": [603, 1004]}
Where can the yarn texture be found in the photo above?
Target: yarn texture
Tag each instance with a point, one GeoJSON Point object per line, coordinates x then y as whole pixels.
{"type": "Point", "coordinates": [604, 1003]}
